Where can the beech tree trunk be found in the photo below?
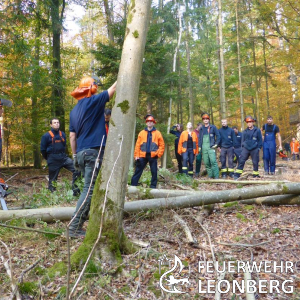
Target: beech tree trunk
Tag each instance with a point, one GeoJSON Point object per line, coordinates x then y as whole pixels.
{"type": "Point", "coordinates": [221, 61]}
{"type": "Point", "coordinates": [239, 62]}
{"type": "Point", "coordinates": [120, 135]}
{"type": "Point", "coordinates": [168, 202]}
{"type": "Point", "coordinates": [58, 109]}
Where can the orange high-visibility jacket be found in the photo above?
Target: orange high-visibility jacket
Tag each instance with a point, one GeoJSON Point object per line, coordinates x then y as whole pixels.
{"type": "Point", "coordinates": [294, 147]}
{"type": "Point", "coordinates": [182, 145]}
{"type": "Point", "coordinates": [157, 146]}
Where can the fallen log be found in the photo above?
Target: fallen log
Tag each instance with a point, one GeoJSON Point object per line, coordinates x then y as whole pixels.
{"type": "Point", "coordinates": [206, 198]}
{"type": "Point", "coordinates": [274, 200]}
{"type": "Point", "coordinates": [44, 214]}
{"type": "Point", "coordinates": [290, 191]}
{"type": "Point", "coordinates": [141, 193]}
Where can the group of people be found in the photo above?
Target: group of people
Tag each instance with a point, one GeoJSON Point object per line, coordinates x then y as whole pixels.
{"type": "Point", "coordinates": [232, 145]}
{"type": "Point", "coordinates": [89, 123]}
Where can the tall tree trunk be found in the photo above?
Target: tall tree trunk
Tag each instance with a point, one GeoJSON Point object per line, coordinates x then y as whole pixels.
{"type": "Point", "coordinates": [266, 70]}
{"type": "Point", "coordinates": [108, 17]}
{"type": "Point", "coordinates": [57, 90]}
{"type": "Point", "coordinates": [239, 62]}
{"type": "Point", "coordinates": [221, 61]}
{"type": "Point", "coordinates": [188, 61]}
{"type": "Point", "coordinates": [122, 125]}
{"type": "Point", "coordinates": [257, 102]}
{"type": "Point", "coordinates": [36, 87]}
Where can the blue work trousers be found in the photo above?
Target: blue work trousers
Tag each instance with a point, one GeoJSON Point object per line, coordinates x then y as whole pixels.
{"type": "Point", "coordinates": [140, 165]}
{"type": "Point", "coordinates": [269, 148]}
{"type": "Point", "coordinates": [188, 160]}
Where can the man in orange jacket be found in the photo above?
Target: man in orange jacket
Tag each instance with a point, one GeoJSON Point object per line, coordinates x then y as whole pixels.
{"type": "Point", "coordinates": [148, 148]}
{"type": "Point", "coordinates": [188, 148]}
{"type": "Point", "coordinates": [294, 148]}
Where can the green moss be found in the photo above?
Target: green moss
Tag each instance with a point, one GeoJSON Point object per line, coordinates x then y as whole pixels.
{"type": "Point", "coordinates": [39, 271]}
{"type": "Point", "coordinates": [29, 288]}
{"type": "Point", "coordinates": [276, 230]}
{"type": "Point", "coordinates": [59, 269]}
{"type": "Point", "coordinates": [285, 189]}
{"type": "Point", "coordinates": [111, 122]}
{"type": "Point", "coordinates": [135, 34]}
{"type": "Point", "coordinates": [92, 269]}
{"type": "Point", "coordinates": [81, 255]}
{"type": "Point", "coordinates": [124, 106]}
{"type": "Point", "coordinates": [241, 217]}
{"type": "Point", "coordinates": [249, 207]}
{"type": "Point", "coordinates": [231, 204]}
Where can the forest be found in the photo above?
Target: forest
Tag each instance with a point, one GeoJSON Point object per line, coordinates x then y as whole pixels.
{"type": "Point", "coordinates": [228, 59]}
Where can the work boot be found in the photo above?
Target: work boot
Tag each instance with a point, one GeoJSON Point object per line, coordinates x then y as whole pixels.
{"type": "Point", "coordinates": [79, 233]}
{"type": "Point", "coordinates": [272, 173]}
{"type": "Point", "coordinates": [224, 176]}
{"type": "Point", "coordinates": [231, 175]}
{"type": "Point", "coordinates": [196, 174]}
{"type": "Point", "coordinates": [256, 176]}
{"type": "Point", "coordinates": [76, 192]}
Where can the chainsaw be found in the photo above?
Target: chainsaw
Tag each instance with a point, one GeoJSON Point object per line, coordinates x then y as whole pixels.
{"type": "Point", "coordinates": [3, 193]}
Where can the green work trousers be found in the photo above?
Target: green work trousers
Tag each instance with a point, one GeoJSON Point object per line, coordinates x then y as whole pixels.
{"type": "Point", "coordinates": [209, 158]}
{"type": "Point", "coordinates": [198, 162]}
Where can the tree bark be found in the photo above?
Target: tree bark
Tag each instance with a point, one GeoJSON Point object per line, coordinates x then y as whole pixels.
{"type": "Point", "coordinates": [36, 87]}
{"type": "Point", "coordinates": [239, 62]}
{"type": "Point", "coordinates": [57, 75]}
{"type": "Point", "coordinates": [213, 197]}
{"type": "Point", "coordinates": [121, 128]}
{"type": "Point", "coordinates": [65, 213]}
{"type": "Point", "coordinates": [221, 61]}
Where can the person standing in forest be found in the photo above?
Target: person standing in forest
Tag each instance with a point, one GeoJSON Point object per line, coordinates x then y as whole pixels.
{"type": "Point", "coordinates": [53, 149]}
{"type": "Point", "coordinates": [237, 143]}
{"type": "Point", "coordinates": [251, 145]}
{"type": "Point", "coordinates": [188, 148]}
{"type": "Point", "coordinates": [148, 148]}
{"type": "Point", "coordinates": [227, 137]}
{"type": "Point", "coordinates": [107, 116]}
{"type": "Point", "coordinates": [177, 133]}
{"type": "Point", "coordinates": [294, 148]}
{"type": "Point", "coordinates": [199, 155]}
{"type": "Point", "coordinates": [87, 129]}
{"type": "Point", "coordinates": [209, 139]}
{"type": "Point", "coordinates": [269, 145]}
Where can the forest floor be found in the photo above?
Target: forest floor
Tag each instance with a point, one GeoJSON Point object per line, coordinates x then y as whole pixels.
{"type": "Point", "coordinates": [246, 233]}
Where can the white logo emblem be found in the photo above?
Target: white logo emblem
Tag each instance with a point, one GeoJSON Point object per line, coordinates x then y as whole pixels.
{"type": "Point", "coordinates": [172, 281]}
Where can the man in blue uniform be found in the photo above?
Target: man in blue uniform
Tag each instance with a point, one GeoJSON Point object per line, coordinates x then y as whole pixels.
{"type": "Point", "coordinates": [237, 143]}
{"type": "Point", "coordinates": [226, 148]}
{"type": "Point", "coordinates": [177, 133]}
{"type": "Point", "coordinates": [209, 139]}
{"type": "Point", "coordinates": [87, 130]}
{"type": "Point", "coordinates": [269, 145]}
{"type": "Point", "coordinates": [53, 149]}
{"type": "Point", "coordinates": [251, 144]}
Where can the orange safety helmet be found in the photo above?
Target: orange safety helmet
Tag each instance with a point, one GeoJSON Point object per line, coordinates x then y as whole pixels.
{"type": "Point", "coordinates": [205, 116]}
{"type": "Point", "coordinates": [150, 118]}
{"type": "Point", "coordinates": [249, 119]}
{"type": "Point", "coordinates": [87, 87]}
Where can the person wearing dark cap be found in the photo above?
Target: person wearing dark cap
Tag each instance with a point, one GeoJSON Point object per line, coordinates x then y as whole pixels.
{"type": "Point", "coordinates": [269, 145]}
{"type": "Point", "coordinates": [251, 144]}
{"type": "Point", "coordinates": [148, 148]}
{"type": "Point", "coordinates": [209, 139]}
{"type": "Point", "coordinates": [177, 133]}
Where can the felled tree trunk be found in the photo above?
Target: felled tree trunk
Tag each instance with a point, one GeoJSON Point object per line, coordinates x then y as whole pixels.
{"type": "Point", "coordinates": [214, 197]}
{"type": "Point", "coordinates": [254, 195]}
